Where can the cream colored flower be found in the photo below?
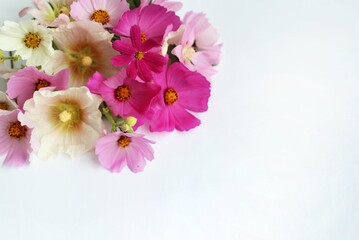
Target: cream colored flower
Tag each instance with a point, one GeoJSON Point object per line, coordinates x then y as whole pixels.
{"type": "Point", "coordinates": [30, 40]}
{"type": "Point", "coordinates": [64, 121]}
{"type": "Point", "coordinates": [84, 48]}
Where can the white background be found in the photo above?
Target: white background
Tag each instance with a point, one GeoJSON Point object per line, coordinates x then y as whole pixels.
{"type": "Point", "coordinates": [276, 158]}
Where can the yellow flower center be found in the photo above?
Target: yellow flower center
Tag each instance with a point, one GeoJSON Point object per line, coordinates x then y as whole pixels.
{"type": "Point", "coordinates": [64, 10]}
{"type": "Point", "coordinates": [32, 40]}
{"type": "Point", "coordinates": [170, 96]}
{"type": "Point", "coordinates": [16, 130]}
{"type": "Point", "coordinates": [124, 141]}
{"type": "Point", "coordinates": [86, 61]}
{"type": "Point", "coordinates": [68, 114]}
{"type": "Point", "coordinates": [143, 37]}
{"type": "Point", "coordinates": [41, 84]}
{"type": "Point", "coordinates": [4, 106]}
{"type": "Point", "coordinates": [123, 93]}
{"type": "Point", "coordinates": [188, 53]}
{"type": "Point", "coordinates": [101, 16]}
{"type": "Point", "coordinates": [140, 55]}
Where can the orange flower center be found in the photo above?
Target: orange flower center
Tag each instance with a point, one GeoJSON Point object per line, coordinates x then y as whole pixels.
{"type": "Point", "coordinates": [4, 106]}
{"type": "Point", "coordinates": [124, 141]}
{"type": "Point", "coordinates": [123, 93]}
{"type": "Point", "coordinates": [143, 37]}
{"type": "Point", "coordinates": [41, 84]}
{"type": "Point", "coordinates": [32, 40]}
{"type": "Point", "coordinates": [101, 16]}
{"type": "Point", "coordinates": [170, 96]}
{"type": "Point", "coordinates": [17, 131]}
{"type": "Point", "coordinates": [140, 55]}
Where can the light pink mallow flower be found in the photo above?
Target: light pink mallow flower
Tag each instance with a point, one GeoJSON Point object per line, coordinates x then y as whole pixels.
{"type": "Point", "coordinates": [14, 139]}
{"type": "Point", "coordinates": [124, 96]}
{"type": "Point", "coordinates": [119, 149]}
{"type": "Point", "coordinates": [84, 48]}
{"type": "Point", "coordinates": [51, 13]}
{"type": "Point", "coordinates": [26, 81]}
{"type": "Point", "coordinates": [106, 12]}
{"type": "Point", "coordinates": [197, 44]}
{"type": "Point", "coordinates": [182, 91]}
{"type": "Point", "coordinates": [170, 5]}
{"type": "Point", "coordinates": [153, 20]}
{"type": "Point", "coordinates": [141, 58]}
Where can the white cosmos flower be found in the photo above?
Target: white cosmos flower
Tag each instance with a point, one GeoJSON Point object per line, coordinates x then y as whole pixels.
{"type": "Point", "coordinates": [30, 40]}
{"type": "Point", "coordinates": [66, 121]}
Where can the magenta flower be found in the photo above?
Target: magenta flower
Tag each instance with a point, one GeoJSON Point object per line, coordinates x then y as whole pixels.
{"type": "Point", "coordinates": [153, 21]}
{"type": "Point", "coordinates": [124, 96]}
{"type": "Point", "coordinates": [14, 139]}
{"type": "Point", "coordinates": [25, 82]}
{"type": "Point", "coordinates": [118, 149]}
{"type": "Point", "coordinates": [182, 91]}
{"type": "Point", "coordinates": [106, 12]}
{"type": "Point", "coordinates": [139, 56]}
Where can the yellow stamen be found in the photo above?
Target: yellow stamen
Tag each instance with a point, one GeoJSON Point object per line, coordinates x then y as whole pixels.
{"type": "Point", "coordinates": [170, 96]}
{"type": "Point", "coordinates": [87, 61]}
{"type": "Point", "coordinates": [124, 141]}
{"type": "Point", "coordinates": [123, 93]}
{"type": "Point", "coordinates": [143, 37]}
{"type": "Point", "coordinates": [32, 40]}
{"type": "Point", "coordinates": [65, 116]}
{"type": "Point", "coordinates": [65, 10]}
{"type": "Point", "coordinates": [140, 55]}
{"type": "Point", "coordinates": [101, 16]}
{"type": "Point", "coordinates": [188, 54]}
{"type": "Point", "coordinates": [41, 83]}
{"type": "Point", "coordinates": [16, 130]}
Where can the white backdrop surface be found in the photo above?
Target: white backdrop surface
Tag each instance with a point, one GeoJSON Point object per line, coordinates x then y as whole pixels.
{"type": "Point", "coordinates": [276, 156]}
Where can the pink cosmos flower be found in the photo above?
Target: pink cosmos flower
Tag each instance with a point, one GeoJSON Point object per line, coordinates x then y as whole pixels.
{"type": "Point", "coordinates": [118, 149]}
{"type": "Point", "coordinates": [170, 5]}
{"type": "Point", "coordinates": [124, 96]}
{"type": "Point", "coordinates": [14, 139]}
{"type": "Point", "coordinates": [153, 21]}
{"type": "Point", "coordinates": [182, 91]}
{"type": "Point", "coordinates": [138, 56]}
{"type": "Point", "coordinates": [106, 12]}
{"type": "Point", "coordinates": [26, 81]}
{"type": "Point", "coordinates": [197, 46]}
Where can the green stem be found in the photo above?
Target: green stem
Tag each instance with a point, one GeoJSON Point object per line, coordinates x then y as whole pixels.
{"type": "Point", "coordinates": [106, 112]}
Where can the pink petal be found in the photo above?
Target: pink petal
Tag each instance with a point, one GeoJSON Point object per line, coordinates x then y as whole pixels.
{"type": "Point", "coordinates": [162, 121]}
{"type": "Point", "coordinates": [143, 71]}
{"type": "Point", "coordinates": [135, 162]}
{"type": "Point", "coordinates": [184, 121]}
{"type": "Point", "coordinates": [136, 36]}
{"type": "Point", "coordinates": [121, 60]}
{"type": "Point", "coordinates": [155, 62]}
{"type": "Point", "coordinates": [18, 154]}
{"type": "Point", "coordinates": [124, 48]}
{"type": "Point", "coordinates": [127, 20]}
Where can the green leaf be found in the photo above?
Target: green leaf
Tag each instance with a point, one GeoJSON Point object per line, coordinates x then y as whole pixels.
{"type": "Point", "coordinates": [134, 3]}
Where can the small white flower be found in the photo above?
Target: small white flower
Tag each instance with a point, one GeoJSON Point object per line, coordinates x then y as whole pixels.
{"type": "Point", "coordinates": [30, 40]}
{"type": "Point", "coordinates": [64, 121]}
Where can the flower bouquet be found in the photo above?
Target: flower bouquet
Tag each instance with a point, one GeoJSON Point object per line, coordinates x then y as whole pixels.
{"type": "Point", "coordinates": [95, 71]}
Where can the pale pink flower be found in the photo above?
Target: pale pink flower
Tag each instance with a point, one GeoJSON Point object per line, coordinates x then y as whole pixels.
{"type": "Point", "coordinates": [14, 139]}
{"type": "Point", "coordinates": [26, 81]}
{"type": "Point", "coordinates": [51, 14]}
{"type": "Point", "coordinates": [106, 12]}
{"type": "Point", "coordinates": [119, 149]}
{"type": "Point", "coordinates": [84, 48]}
{"type": "Point", "coordinates": [182, 92]}
{"type": "Point", "coordinates": [197, 44]}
